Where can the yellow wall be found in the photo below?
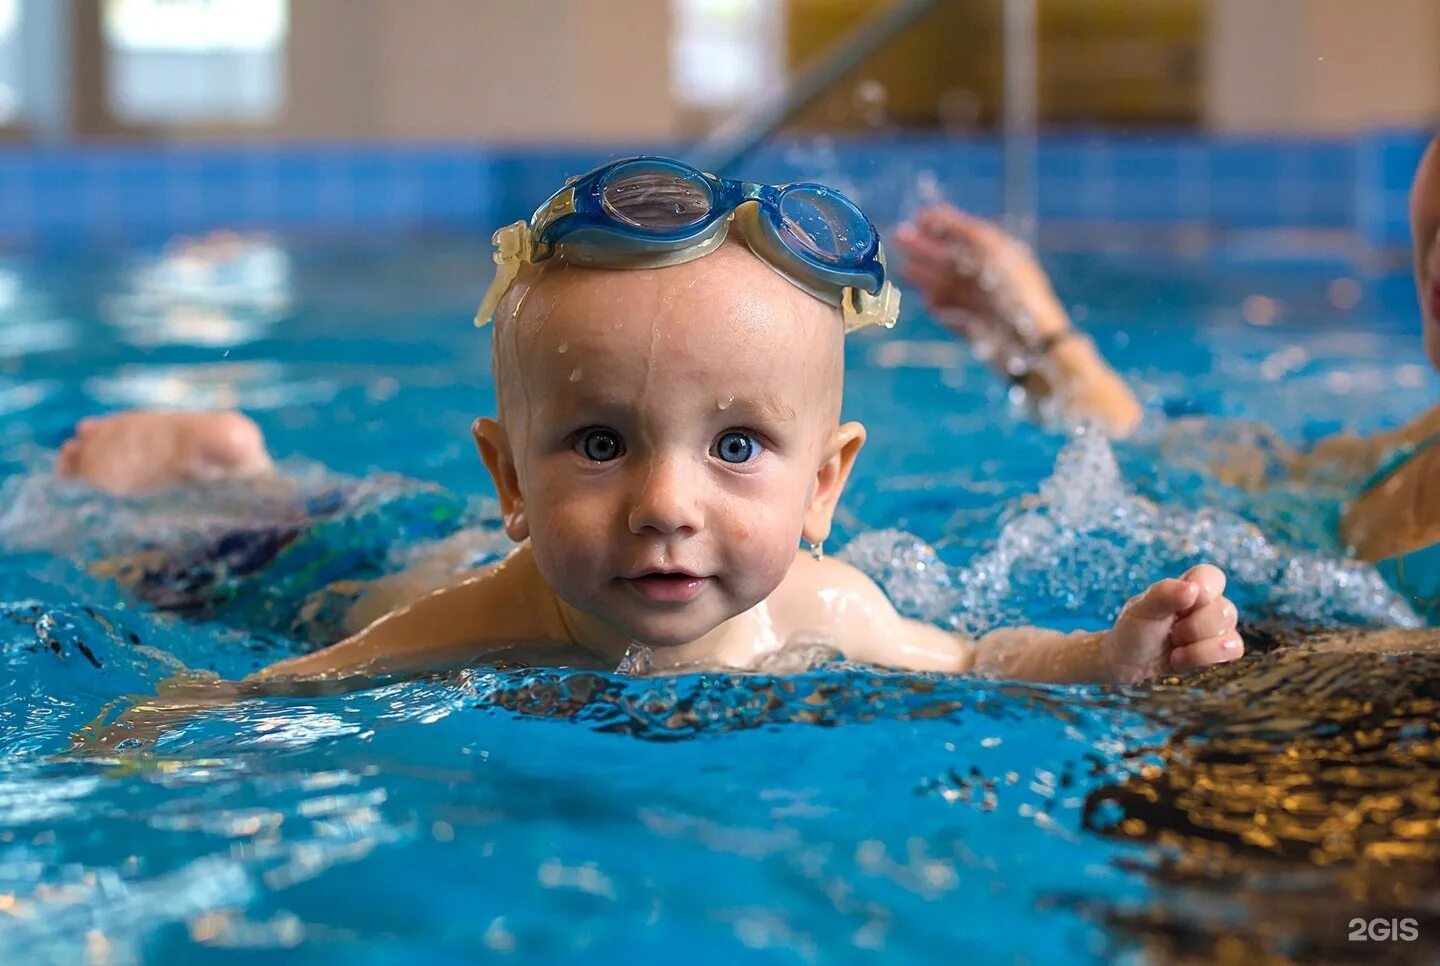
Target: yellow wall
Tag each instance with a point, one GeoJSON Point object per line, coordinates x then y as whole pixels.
{"type": "Point", "coordinates": [1100, 61]}
{"type": "Point", "coordinates": [1120, 61]}
{"type": "Point", "coordinates": [950, 56]}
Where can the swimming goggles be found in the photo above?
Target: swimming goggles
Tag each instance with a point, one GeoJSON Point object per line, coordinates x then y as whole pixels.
{"type": "Point", "coordinates": [649, 212]}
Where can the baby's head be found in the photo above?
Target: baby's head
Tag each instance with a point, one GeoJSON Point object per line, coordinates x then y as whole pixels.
{"type": "Point", "coordinates": [667, 436]}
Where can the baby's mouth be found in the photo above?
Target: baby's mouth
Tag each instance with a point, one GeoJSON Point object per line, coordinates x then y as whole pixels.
{"type": "Point", "coordinates": [667, 587]}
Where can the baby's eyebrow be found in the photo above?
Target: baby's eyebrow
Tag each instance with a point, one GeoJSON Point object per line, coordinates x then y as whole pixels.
{"type": "Point", "coordinates": [766, 405]}
{"type": "Point", "coordinates": [588, 399]}
{"type": "Point", "coordinates": [601, 400]}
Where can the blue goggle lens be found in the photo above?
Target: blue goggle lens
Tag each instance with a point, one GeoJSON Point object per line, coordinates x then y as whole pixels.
{"type": "Point", "coordinates": [656, 197]}
{"type": "Point", "coordinates": [824, 224]}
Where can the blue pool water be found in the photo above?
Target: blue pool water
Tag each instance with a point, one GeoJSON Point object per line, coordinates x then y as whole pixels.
{"type": "Point", "coordinates": [828, 815]}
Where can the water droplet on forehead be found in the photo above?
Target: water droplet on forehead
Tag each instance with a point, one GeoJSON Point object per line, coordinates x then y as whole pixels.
{"type": "Point", "coordinates": [563, 348]}
{"type": "Point", "coordinates": [724, 404]}
{"type": "Point", "coordinates": [575, 374]}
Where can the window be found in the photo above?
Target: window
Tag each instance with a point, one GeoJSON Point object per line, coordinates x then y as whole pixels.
{"type": "Point", "coordinates": [724, 52]}
{"type": "Point", "coordinates": [10, 66]}
{"type": "Point", "coordinates": [196, 61]}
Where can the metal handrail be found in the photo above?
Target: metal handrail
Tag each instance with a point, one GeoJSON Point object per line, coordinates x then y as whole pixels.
{"type": "Point", "coordinates": [735, 139]}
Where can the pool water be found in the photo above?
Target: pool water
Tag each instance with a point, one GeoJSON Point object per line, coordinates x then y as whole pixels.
{"type": "Point", "coordinates": [828, 815]}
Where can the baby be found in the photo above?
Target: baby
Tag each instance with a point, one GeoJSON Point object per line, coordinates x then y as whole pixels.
{"type": "Point", "coordinates": [668, 434]}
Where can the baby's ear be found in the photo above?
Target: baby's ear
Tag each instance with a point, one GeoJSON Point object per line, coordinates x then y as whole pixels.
{"type": "Point", "coordinates": [839, 457]}
{"type": "Point", "coordinates": [495, 451]}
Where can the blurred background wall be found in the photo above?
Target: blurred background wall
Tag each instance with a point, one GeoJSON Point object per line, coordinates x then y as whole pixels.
{"type": "Point", "coordinates": [644, 70]}
{"type": "Point", "coordinates": [126, 116]}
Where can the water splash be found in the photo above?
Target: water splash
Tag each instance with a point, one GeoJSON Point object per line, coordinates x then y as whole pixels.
{"type": "Point", "coordinates": [637, 662]}
{"type": "Point", "coordinates": [1086, 543]}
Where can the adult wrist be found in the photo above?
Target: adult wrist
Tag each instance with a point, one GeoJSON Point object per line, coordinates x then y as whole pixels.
{"type": "Point", "coordinates": [1024, 364]}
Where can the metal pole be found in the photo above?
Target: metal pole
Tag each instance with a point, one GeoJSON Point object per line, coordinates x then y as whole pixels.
{"type": "Point", "coordinates": [1019, 116]}
{"type": "Point", "coordinates": [729, 144]}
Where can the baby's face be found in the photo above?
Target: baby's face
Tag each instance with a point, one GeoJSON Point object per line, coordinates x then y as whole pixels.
{"type": "Point", "coordinates": [1425, 229]}
{"type": "Point", "coordinates": [667, 430]}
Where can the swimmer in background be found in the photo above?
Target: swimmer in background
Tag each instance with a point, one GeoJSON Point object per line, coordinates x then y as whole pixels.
{"type": "Point", "coordinates": [668, 434]}
{"type": "Point", "coordinates": [989, 288]}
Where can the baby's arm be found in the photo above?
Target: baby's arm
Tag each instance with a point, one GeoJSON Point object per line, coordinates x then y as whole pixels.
{"type": "Point", "coordinates": [449, 628]}
{"type": "Point", "coordinates": [1176, 625]}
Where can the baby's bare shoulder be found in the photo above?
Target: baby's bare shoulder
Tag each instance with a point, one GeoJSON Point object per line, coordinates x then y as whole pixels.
{"type": "Point", "coordinates": [834, 600]}
{"type": "Point", "coordinates": [508, 600]}
{"type": "Point", "coordinates": [501, 607]}
{"type": "Point", "coordinates": [808, 575]}
{"type": "Point", "coordinates": [828, 594]}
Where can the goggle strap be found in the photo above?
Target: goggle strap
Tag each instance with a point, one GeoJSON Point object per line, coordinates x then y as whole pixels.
{"type": "Point", "coordinates": [860, 308]}
{"type": "Point", "coordinates": [514, 246]}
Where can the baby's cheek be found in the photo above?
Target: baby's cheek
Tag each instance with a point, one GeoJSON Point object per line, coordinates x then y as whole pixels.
{"type": "Point", "coordinates": [766, 540]}
{"type": "Point", "coordinates": [567, 532]}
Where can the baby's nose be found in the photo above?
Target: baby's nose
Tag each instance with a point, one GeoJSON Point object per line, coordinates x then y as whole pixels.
{"type": "Point", "coordinates": [668, 499]}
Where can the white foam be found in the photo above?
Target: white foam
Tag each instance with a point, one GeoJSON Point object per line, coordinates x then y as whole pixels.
{"type": "Point", "coordinates": [1086, 544]}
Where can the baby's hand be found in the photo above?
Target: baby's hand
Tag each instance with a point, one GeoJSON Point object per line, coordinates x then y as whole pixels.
{"type": "Point", "coordinates": [1176, 625]}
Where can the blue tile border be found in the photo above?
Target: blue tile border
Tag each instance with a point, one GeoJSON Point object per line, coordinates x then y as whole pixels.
{"type": "Point", "coordinates": [1385, 162]}
{"type": "Point", "coordinates": [125, 193]}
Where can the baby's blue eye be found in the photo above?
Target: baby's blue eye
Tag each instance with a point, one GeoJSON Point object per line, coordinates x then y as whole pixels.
{"type": "Point", "coordinates": [600, 445]}
{"type": "Point", "coordinates": [734, 446]}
